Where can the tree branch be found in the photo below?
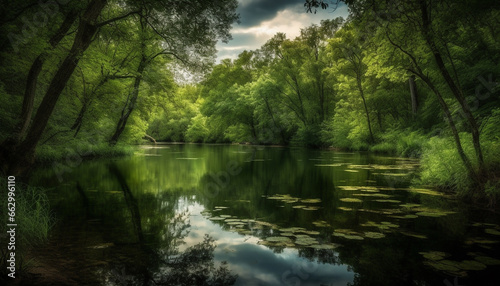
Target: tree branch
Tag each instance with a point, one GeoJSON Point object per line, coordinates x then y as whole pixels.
{"type": "Point", "coordinates": [117, 18]}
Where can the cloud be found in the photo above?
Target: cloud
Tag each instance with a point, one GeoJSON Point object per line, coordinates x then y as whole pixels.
{"type": "Point", "coordinates": [280, 16]}
{"type": "Point", "coordinates": [253, 12]}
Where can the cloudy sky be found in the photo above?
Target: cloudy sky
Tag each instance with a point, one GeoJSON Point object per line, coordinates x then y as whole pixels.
{"type": "Point", "coordinates": [262, 19]}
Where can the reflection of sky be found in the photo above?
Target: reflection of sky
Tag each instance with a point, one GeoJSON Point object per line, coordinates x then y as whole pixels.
{"type": "Point", "coordinates": [257, 264]}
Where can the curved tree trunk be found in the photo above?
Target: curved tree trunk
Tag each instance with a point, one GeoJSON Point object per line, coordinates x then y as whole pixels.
{"type": "Point", "coordinates": [20, 158]}
{"type": "Point", "coordinates": [426, 31]}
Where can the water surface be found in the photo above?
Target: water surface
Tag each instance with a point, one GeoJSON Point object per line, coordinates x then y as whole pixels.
{"type": "Point", "coordinates": [278, 216]}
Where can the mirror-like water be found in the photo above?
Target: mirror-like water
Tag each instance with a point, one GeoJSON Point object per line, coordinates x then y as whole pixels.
{"type": "Point", "coordinates": [277, 216]}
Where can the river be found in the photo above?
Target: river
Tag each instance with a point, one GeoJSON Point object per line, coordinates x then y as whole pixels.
{"type": "Point", "coordinates": [277, 216]}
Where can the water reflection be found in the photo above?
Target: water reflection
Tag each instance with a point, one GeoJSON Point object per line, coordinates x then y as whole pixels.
{"type": "Point", "coordinates": [278, 216]}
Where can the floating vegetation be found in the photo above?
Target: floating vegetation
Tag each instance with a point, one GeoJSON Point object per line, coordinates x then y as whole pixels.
{"type": "Point", "coordinates": [351, 200]}
{"type": "Point", "coordinates": [410, 216]}
{"type": "Point", "coordinates": [385, 225]}
{"type": "Point", "coordinates": [311, 208]}
{"type": "Point", "coordinates": [372, 195]}
{"type": "Point", "coordinates": [235, 223]}
{"type": "Point", "coordinates": [287, 234]}
{"type": "Point", "coordinates": [434, 255]}
{"type": "Point", "coordinates": [221, 207]}
{"type": "Point", "coordinates": [345, 209]}
{"type": "Point", "coordinates": [292, 229]}
{"type": "Point", "coordinates": [349, 188]}
{"type": "Point", "coordinates": [263, 223]}
{"type": "Point", "coordinates": [323, 246]}
{"type": "Point", "coordinates": [278, 239]}
{"type": "Point", "coordinates": [284, 198]}
{"type": "Point", "coordinates": [311, 201]}
{"type": "Point", "coordinates": [492, 231]}
{"type": "Point", "coordinates": [487, 260]}
{"type": "Point", "coordinates": [299, 206]}
{"type": "Point", "coordinates": [415, 235]}
{"type": "Point", "coordinates": [328, 165]}
{"type": "Point", "coordinates": [352, 171]}
{"type": "Point", "coordinates": [444, 266]}
{"type": "Point", "coordinates": [409, 206]}
{"type": "Point", "coordinates": [321, 223]}
{"type": "Point", "coordinates": [425, 192]}
{"type": "Point", "coordinates": [304, 240]}
{"type": "Point", "coordinates": [471, 265]}
{"type": "Point", "coordinates": [383, 167]}
{"type": "Point", "coordinates": [375, 235]}
{"type": "Point", "coordinates": [480, 240]}
{"type": "Point", "coordinates": [348, 234]}
{"type": "Point", "coordinates": [309, 232]}
{"type": "Point", "coordinates": [216, 218]}
{"type": "Point", "coordinates": [392, 174]}
{"type": "Point", "coordinates": [388, 201]}
{"type": "Point", "coordinates": [374, 190]}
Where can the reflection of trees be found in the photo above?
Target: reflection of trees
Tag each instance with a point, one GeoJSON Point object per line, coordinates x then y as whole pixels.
{"type": "Point", "coordinates": [166, 228]}
{"type": "Point", "coordinates": [195, 266]}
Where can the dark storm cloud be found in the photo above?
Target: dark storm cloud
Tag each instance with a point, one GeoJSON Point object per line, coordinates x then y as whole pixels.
{"type": "Point", "coordinates": [253, 12]}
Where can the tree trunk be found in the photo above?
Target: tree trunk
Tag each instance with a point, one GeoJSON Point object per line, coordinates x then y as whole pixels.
{"type": "Point", "coordinates": [22, 157]}
{"type": "Point", "coordinates": [129, 105]}
{"type": "Point", "coordinates": [360, 87]}
{"type": "Point", "coordinates": [426, 30]}
{"type": "Point", "coordinates": [456, 137]}
{"type": "Point", "coordinates": [414, 95]}
{"type": "Point", "coordinates": [32, 79]}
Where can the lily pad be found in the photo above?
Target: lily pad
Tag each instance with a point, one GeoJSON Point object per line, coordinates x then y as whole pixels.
{"type": "Point", "coordinates": [304, 242]}
{"type": "Point", "coordinates": [472, 265]}
{"type": "Point", "coordinates": [311, 208]}
{"type": "Point", "coordinates": [321, 223]}
{"type": "Point", "coordinates": [309, 232]}
{"type": "Point", "coordinates": [311, 201]}
{"type": "Point", "coordinates": [442, 266]}
{"type": "Point", "coordinates": [375, 235]}
{"type": "Point", "coordinates": [345, 209]}
{"type": "Point", "coordinates": [323, 246]}
{"type": "Point", "coordinates": [349, 188]}
{"type": "Point", "coordinates": [287, 234]}
{"type": "Point", "coordinates": [487, 260]}
{"type": "Point", "coordinates": [292, 229]}
{"type": "Point", "coordinates": [351, 200]}
{"type": "Point", "coordinates": [415, 235]}
{"type": "Point", "coordinates": [278, 239]}
{"type": "Point", "coordinates": [216, 218]}
{"type": "Point", "coordinates": [388, 201]}
{"type": "Point", "coordinates": [410, 216]}
{"type": "Point", "coordinates": [430, 214]}
{"type": "Point", "coordinates": [492, 231]}
{"type": "Point", "coordinates": [372, 195]}
{"type": "Point", "coordinates": [409, 206]}
{"type": "Point", "coordinates": [353, 237]}
{"type": "Point", "coordinates": [299, 206]}
{"type": "Point", "coordinates": [235, 223]}
{"type": "Point", "coordinates": [434, 255]}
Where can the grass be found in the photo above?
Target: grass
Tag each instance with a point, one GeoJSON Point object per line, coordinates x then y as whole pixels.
{"type": "Point", "coordinates": [48, 153]}
{"type": "Point", "coordinates": [405, 143]}
{"type": "Point", "coordinates": [34, 222]}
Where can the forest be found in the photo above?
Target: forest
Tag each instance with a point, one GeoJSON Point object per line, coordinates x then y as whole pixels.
{"type": "Point", "coordinates": [418, 80]}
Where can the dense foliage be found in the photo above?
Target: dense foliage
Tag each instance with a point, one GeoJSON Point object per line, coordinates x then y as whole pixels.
{"type": "Point", "coordinates": [414, 78]}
